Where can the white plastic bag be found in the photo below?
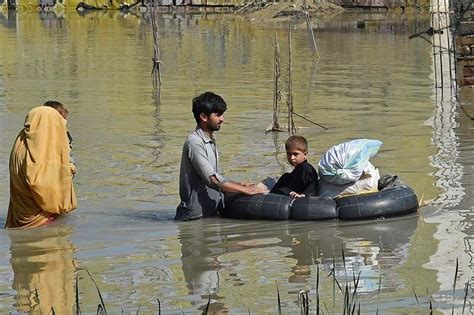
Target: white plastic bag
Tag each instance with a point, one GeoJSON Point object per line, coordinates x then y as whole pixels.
{"type": "Point", "coordinates": [366, 184]}
{"type": "Point", "coordinates": [344, 163]}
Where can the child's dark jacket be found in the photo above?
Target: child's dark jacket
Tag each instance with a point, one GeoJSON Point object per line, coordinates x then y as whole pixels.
{"type": "Point", "coordinates": [303, 180]}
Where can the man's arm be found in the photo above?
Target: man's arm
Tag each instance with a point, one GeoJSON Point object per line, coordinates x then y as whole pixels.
{"type": "Point", "coordinates": [201, 164]}
{"type": "Point", "coordinates": [233, 187]}
{"type": "Point", "coordinates": [198, 158]}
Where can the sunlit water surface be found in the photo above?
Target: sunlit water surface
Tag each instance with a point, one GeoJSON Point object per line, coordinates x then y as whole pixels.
{"type": "Point", "coordinates": [372, 82]}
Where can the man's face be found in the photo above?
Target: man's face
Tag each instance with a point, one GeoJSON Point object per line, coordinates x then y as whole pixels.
{"type": "Point", "coordinates": [214, 121]}
{"type": "Point", "coordinates": [295, 156]}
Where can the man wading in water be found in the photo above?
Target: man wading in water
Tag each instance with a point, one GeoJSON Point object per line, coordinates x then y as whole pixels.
{"type": "Point", "coordinates": [201, 187]}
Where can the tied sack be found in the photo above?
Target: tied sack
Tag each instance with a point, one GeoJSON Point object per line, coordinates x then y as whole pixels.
{"type": "Point", "coordinates": [367, 183]}
{"type": "Point", "coordinates": [344, 163]}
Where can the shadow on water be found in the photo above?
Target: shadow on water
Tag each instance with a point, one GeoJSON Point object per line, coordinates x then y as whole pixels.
{"type": "Point", "coordinates": [150, 216]}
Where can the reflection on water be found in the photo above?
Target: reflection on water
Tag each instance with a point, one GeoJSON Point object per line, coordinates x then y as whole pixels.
{"type": "Point", "coordinates": [43, 267]}
{"type": "Point", "coordinates": [248, 257]}
{"type": "Point", "coordinates": [449, 172]}
{"type": "Point", "coordinates": [454, 173]}
{"type": "Point", "coordinates": [370, 82]}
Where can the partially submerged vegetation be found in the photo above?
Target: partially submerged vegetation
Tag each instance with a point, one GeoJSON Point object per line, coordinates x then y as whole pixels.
{"type": "Point", "coordinates": [346, 295]}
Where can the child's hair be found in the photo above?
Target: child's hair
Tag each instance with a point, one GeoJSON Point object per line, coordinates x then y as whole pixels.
{"type": "Point", "coordinates": [208, 103]}
{"type": "Point", "coordinates": [296, 142]}
{"type": "Point", "coordinates": [57, 106]}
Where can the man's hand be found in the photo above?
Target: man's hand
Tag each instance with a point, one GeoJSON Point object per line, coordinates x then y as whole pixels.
{"type": "Point", "coordinates": [246, 184]}
{"type": "Point", "coordinates": [296, 195]}
{"type": "Point", "coordinates": [233, 187]}
{"type": "Point", "coordinates": [258, 188]}
{"type": "Point", "coordinates": [72, 168]}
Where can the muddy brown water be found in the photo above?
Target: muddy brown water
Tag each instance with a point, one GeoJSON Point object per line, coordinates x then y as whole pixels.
{"type": "Point", "coordinates": [370, 82]}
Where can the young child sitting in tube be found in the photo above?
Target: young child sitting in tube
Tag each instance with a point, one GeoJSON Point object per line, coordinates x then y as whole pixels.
{"type": "Point", "coordinates": [303, 180]}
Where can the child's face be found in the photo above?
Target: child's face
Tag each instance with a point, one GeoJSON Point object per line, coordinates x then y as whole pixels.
{"type": "Point", "coordinates": [296, 156]}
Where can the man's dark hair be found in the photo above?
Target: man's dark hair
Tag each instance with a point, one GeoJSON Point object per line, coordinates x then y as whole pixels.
{"type": "Point", "coordinates": [208, 103]}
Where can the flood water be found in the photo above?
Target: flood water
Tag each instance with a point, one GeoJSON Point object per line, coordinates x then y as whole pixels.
{"type": "Point", "coordinates": [372, 82]}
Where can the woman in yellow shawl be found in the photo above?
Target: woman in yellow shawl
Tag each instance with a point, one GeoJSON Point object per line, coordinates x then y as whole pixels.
{"type": "Point", "coordinates": [41, 174]}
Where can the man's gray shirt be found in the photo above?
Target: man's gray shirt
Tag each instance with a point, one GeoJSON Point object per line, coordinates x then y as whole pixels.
{"type": "Point", "coordinates": [199, 161]}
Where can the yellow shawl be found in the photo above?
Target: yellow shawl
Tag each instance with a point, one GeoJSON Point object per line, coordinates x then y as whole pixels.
{"type": "Point", "coordinates": [40, 171]}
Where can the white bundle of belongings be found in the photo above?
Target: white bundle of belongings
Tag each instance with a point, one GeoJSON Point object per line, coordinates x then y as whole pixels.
{"type": "Point", "coordinates": [345, 169]}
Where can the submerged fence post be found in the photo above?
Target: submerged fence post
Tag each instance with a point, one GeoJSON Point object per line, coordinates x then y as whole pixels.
{"type": "Point", "coordinates": [289, 98]}
{"type": "Point", "coordinates": [310, 30]}
{"type": "Point", "coordinates": [276, 86]}
{"type": "Point", "coordinates": [156, 71]}
{"type": "Point", "coordinates": [442, 45]}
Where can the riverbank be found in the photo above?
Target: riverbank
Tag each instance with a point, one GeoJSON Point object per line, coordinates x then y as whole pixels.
{"type": "Point", "coordinates": [277, 12]}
